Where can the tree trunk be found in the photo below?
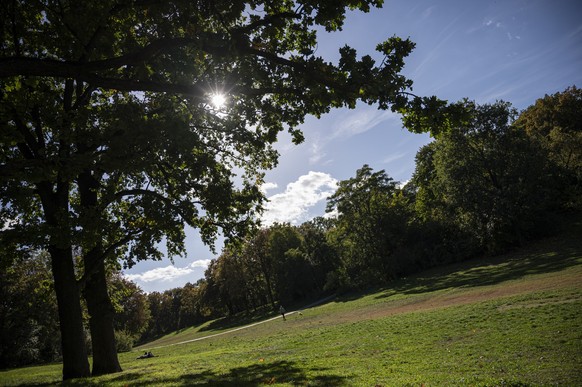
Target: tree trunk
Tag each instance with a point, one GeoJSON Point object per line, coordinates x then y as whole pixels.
{"type": "Point", "coordinates": [55, 205]}
{"type": "Point", "coordinates": [101, 314]}
{"type": "Point", "coordinates": [99, 305]}
{"type": "Point", "coordinates": [75, 363]}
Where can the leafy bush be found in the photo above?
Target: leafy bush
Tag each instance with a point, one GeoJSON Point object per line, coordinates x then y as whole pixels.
{"type": "Point", "coordinates": [124, 341]}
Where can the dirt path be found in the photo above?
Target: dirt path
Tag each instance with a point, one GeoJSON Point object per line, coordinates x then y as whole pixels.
{"type": "Point", "coordinates": [318, 302]}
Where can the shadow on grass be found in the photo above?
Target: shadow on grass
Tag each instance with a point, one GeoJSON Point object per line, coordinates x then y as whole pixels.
{"type": "Point", "coordinates": [237, 320]}
{"type": "Point", "coordinates": [539, 257]}
{"type": "Point", "coordinates": [263, 313]}
{"type": "Point", "coordinates": [253, 375]}
{"type": "Point", "coordinates": [545, 256]}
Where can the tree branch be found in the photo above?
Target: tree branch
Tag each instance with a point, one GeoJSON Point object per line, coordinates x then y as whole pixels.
{"type": "Point", "coordinates": [269, 19]}
{"type": "Point", "coordinates": [194, 91]}
{"type": "Point", "coordinates": [89, 271]}
{"type": "Point", "coordinates": [29, 147]}
{"type": "Point", "coordinates": [144, 192]}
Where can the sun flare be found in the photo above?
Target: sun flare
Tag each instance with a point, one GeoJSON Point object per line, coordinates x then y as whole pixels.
{"type": "Point", "coordinates": [218, 100]}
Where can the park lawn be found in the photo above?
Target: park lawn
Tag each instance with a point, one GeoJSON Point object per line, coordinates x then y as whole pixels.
{"type": "Point", "coordinates": [514, 320]}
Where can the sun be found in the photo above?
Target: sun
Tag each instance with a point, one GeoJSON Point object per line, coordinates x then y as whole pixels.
{"type": "Point", "coordinates": [218, 100]}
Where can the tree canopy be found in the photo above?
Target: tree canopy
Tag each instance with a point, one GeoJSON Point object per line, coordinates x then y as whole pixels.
{"type": "Point", "coordinates": [364, 223]}
{"type": "Point", "coordinates": [110, 142]}
{"type": "Point", "coordinates": [481, 187]}
{"type": "Point", "coordinates": [554, 122]}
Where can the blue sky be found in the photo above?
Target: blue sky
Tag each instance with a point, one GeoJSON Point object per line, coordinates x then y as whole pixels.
{"type": "Point", "coordinates": [514, 50]}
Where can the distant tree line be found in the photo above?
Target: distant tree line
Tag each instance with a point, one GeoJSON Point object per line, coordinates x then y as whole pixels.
{"type": "Point", "coordinates": [494, 181]}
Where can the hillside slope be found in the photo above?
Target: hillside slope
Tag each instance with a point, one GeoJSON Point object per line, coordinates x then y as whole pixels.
{"type": "Point", "coordinates": [545, 265]}
{"type": "Point", "coordinates": [512, 320]}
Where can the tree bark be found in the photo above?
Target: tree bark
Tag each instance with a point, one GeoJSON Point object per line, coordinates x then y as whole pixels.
{"type": "Point", "coordinates": [101, 314]}
{"type": "Point", "coordinates": [75, 363]}
{"type": "Point", "coordinates": [99, 305]}
{"type": "Point", "coordinates": [55, 207]}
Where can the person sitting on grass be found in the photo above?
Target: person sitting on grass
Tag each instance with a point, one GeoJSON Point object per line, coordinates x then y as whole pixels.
{"type": "Point", "coordinates": [146, 355]}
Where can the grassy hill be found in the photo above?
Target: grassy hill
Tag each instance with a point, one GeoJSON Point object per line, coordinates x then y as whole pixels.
{"type": "Point", "coordinates": [512, 320]}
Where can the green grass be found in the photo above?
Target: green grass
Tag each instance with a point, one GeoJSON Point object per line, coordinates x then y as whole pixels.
{"type": "Point", "coordinates": [514, 320]}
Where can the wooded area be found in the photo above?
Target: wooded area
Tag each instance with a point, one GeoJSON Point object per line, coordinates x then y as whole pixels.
{"type": "Point", "coordinates": [495, 183]}
{"type": "Point", "coordinates": [110, 142]}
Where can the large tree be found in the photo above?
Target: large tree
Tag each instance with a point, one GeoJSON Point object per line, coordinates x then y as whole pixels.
{"type": "Point", "coordinates": [486, 177]}
{"type": "Point", "coordinates": [368, 227]}
{"type": "Point", "coordinates": [110, 141]}
{"type": "Point", "coordinates": [555, 123]}
{"type": "Point", "coordinates": [132, 308]}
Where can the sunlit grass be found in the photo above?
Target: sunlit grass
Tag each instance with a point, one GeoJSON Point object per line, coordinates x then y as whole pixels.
{"type": "Point", "coordinates": [512, 320]}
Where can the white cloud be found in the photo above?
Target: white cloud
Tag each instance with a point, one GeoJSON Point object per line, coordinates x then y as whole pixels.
{"type": "Point", "coordinates": [511, 37]}
{"type": "Point", "coordinates": [293, 205]}
{"type": "Point", "coordinates": [491, 22]}
{"type": "Point", "coordinates": [356, 122]}
{"type": "Point", "coordinates": [317, 155]}
{"type": "Point", "coordinates": [268, 186]}
{"type": "Point", "coordinates": [333, 214]}
{"type": "Point", "coordinates": [427, 13]}
{"type": "Point", "coordinates": [168, 273]}
{"type": "Point", "coordinates": [203, 263]}
{"type": "Point", "coordinates": [394, 157]}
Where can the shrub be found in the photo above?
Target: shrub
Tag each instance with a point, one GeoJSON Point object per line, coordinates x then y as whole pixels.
{"type": "Point", "coordinates": [124, 341]}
